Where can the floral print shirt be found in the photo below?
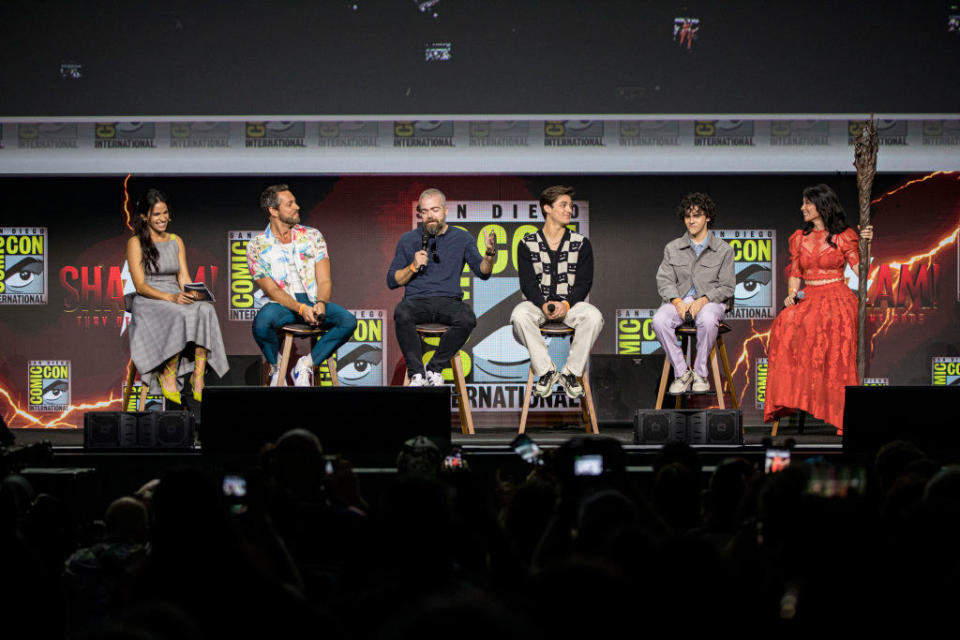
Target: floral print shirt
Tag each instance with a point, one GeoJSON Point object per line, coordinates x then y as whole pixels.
{"type": "Point", "coordinates": [268, 259]}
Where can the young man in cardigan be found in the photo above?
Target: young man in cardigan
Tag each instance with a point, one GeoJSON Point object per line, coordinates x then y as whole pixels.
{"type": "Point", "coordinates": [556, 272]}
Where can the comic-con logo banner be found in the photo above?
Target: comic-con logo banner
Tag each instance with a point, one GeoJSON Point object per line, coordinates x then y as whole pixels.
{"type": "Point", "coordinates": [755, 258]}
{"type": "Point", "coordinates": [48, 385]}
{"type": "Point", "coordinates": [945, 372]}
{"type": "Point", "coordinates": [360, 361]}
{"type": "Point", "coordinates": [124, 135]}
{"type": "Point", "coordinates": [349, 134]}
{"type": "Point", "coordinates": [280, 134]}
{"type": "Point", "coordinates": [152, 403]}
{"type": "Point", "coordinates": [242, 288]}
{"type": "Point", "coordinates": [635, 334]}
{"type": "Point", "coordinates": [23, 265]}
{"type": "Point", "coordinates": [494, 364]}
{"type": "Point", "coordinates": [199, 135]}
{"type": "Point", "coordinates": [760, 375]}
{"type": "Point", "coordinates": [876, 382]}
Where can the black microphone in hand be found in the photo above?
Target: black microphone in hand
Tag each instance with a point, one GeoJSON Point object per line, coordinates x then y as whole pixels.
{"type": "Point", "coordinates": [424, 241]}
{"type": "Point", "coordinates": [551, 307]}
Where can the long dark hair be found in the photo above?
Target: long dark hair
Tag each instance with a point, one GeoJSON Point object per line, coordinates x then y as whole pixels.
{"type": "Point", "coordinates": [831, 211]}
{"type": "Point", "coordinates": [141, 229]}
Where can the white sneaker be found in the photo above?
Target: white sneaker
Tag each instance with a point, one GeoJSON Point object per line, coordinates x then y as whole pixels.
{"type": "Point", "coordinates": [303, 372]}
{"type": "Point", "coordinates": [682, 384]}
{"type": "Point", "coordinates": [544, 385]}
{"type": "Point", "coordinates": [417, 380]}
{"type": "Point", "coordinates": [700, 384]}
{"type": "Point", "coordinates": [274, 375]}
{"type": "Point", "coordinates": [434, 379]}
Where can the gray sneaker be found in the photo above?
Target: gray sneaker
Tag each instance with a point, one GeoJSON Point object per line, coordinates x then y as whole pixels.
{"type": "Point", "coordinates": [417, 380]}
{"type": "Point", "coordinates": [544, 386]}
{"type": "Point", "coordinates": [571, 385]}
{"type": "Point", "coordinates": [700, 384]}
{"type": "Point", "coordinates": [434, 379]}
{"type": "Point", "coordinates": [682, 384]}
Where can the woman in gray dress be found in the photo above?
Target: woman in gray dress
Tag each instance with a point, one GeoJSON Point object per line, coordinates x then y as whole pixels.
{"type": "Point", "coordinates": [169, 328]}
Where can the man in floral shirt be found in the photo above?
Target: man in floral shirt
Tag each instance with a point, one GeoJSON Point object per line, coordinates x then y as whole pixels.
{"type": "Point", "coordinates": [290, 265]}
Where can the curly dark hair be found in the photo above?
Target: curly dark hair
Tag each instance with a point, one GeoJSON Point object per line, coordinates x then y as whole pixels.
{"type": "Point", "coordinates": [701, 200]}
{"type": "Point", "coordinates": [141, 229]}
{"type": "Point", "coordinates": [831, 211]}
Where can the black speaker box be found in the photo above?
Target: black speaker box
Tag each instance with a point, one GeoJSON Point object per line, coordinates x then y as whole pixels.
{"type": "Point", "coordinates": [350, 420]}
{"type": "Point", "coordinates": [622, 384]}
{"type": "Point", "coordinates": [694, 426]}
{"type": "Point", "coordinates": [874, 416]}
{"type": "Point", "coordinates": [132, 430]}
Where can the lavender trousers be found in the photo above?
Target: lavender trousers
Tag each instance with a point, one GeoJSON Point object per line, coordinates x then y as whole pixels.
{"type": "Point", "coordinates": [665, 322]}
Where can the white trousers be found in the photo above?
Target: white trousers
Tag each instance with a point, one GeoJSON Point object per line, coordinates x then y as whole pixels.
{"type": "Point", "coordinates": [584, 318]}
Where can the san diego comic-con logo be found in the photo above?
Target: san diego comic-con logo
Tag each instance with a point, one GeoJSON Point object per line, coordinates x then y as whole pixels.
{"type": "Point", "coordinates": [48, 385]}
{"type": "Point", "coordinates": [349, 134]}
{"type": "Point", "coordinates": [423, 133]}
{"type": "Point", "coordinates": [889, 132]}
{"type": "Point", "coordinates": [240, 305]}
{"type": "Point", "coordinates": [573, 133]}
{"type": "Point", "coordinates": [360, 361]}
{"type": "Point", "coordinates": [649, 133]}
{"type": "Point", "coordinates": [275, 134]}
{"type": "Point", "coordinates": [755, 259]}
{"type": "Point", "coordinates": [799, 133]}
{"type": "Point", "coordinates": [23, 265]}
{"type": "Point", "coordinates": [153, 402]}
{"type": "Point", "coordinates": [723, 133]}
{"type": "Point", "coordinates": [945, 371]}
{"type": "Point", "coordinates": [199, 135]}
{"type": "Point", "coordinates": [499, 133]}
{"type": "Point", "coordinates": [494, 364]}
{"type": "Point", "coordinates": [49, 135]}
{"type": "Point", "coordinates": [124, 135]}
{"type": "Point", "coordinates": [635, 334]}
{"type": "Point", "coordinates": [760, 375]}
{"type": "Point", "coordinates": [941, 132]}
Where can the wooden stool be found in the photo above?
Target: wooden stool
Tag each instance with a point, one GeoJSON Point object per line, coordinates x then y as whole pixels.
{"type": "Point", "coordinates": [296, 330]}
{"type": "Point", "coordinates": [687, 335]}
{"type": "Point", "coordinates": [555, 330]}
{"type": "Point", "coordinates": [128, 389]}
{"type": "Point", "coordinates": [434, 330]}
{"type": "Point", "coordinates": [801, 415]}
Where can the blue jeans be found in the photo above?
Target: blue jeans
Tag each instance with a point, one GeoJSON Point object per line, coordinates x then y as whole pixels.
{"type": "Point", "coordinates": [339, 324]}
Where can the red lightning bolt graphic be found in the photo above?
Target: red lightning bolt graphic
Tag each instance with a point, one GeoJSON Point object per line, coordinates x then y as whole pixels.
{"type": "Point", "coordinates": [59, 421]}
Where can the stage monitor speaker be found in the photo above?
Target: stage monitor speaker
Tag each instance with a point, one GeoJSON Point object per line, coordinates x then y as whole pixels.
{"type": "Point", "coordinates": [622, 384]}
{"type": "Point", "coordinates": [138, 430]}
{"type": "Point", "coordinates": [874, 416]}
{"type": "Point", "coordinates": [244, 371]}
{"type": "Point", "coordinates": [694, 426]}
{"type": "Point", "coordinates": [350, 420]}
{"type": "Point", "coordinates": [715, 426]}
{"type": "Point", "coordinates": [109, 429]}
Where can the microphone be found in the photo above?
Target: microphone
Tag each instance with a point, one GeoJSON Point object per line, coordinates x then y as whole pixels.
{"type": "Point", "coordinates": [798, 298]}
{"type": "Point", "coordinates": [424, 240]}
{"type": "Point", "coordinates": [551, 307]}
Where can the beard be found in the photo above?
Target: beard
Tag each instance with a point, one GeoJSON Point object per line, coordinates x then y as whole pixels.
{"type": "Point", "coordinates": [432, 227]}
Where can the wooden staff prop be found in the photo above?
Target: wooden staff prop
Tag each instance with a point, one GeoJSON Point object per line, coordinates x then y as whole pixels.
{"type": "Point", "coordinates": [865, 160]}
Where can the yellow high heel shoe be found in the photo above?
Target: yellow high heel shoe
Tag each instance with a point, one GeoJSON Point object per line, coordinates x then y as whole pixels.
{"type": "Point", "coordinates": [199, 367]}
{"type": "Point", "coordinates": [170, 374]}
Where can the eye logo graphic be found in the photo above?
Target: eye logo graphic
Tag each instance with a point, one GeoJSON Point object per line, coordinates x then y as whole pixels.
{"type": "Point", "coordinates": [23, 265]}
{"type": "Point", "coordinates": [755, 259]}
{"type": "Point", "coordinates": [48, 385]}
{"type": "Point", "coordinates": [360, 362]}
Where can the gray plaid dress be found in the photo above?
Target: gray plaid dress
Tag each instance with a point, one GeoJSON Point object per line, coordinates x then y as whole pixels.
{"type": "Point", "coordinates": [160, 330]}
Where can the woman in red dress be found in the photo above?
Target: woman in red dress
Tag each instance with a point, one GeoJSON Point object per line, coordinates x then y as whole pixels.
{"type": "Point", "coordinates": [812, 353]}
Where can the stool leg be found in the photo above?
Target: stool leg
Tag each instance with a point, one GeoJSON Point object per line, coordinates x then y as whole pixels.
{"type": "Point", "coordinates": [664, 376]}
{"type": "Point", "coordinates": [406, 378]}
{"type": "Point", "coordinates": [332, 366]}
{"type": "Point", "coordinates": [526, 402]}
{"type": "Point", "coordinates": [285, 360]}
{"type": "Point", "coordinates": [717, 383]}
{"type": "Point", "coordinates": [734, 398]}
{"type": "Point", "coordinates": [144, 388]}
{"type": "Point", "coordinates": [463, 401]}
{"type": "Point", "coordinates": [131, 376]}
{"type": "Point", "coordinates": [776, 425]}
{"type": "Point", "coordinates": [586, 404]}
{"type": "Point", "coordinates": [686, 345]}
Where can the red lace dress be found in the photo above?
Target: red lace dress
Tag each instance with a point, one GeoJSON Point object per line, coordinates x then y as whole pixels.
{"type": "Point", "coordinates": [812, 354]}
